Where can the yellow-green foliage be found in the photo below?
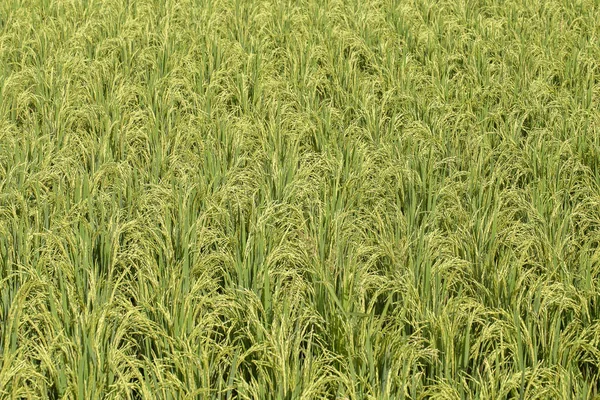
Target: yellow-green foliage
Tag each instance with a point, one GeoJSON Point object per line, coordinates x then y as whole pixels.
{"type": "Point", "coordinates": [315, 199]}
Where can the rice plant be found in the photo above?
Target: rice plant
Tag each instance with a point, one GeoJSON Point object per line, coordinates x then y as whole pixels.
{"type": "Point", "coordinates": [337, 199]}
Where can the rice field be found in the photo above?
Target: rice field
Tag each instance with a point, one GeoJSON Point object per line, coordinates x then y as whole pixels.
{"type": "Point", "coordinates": [277, 199]}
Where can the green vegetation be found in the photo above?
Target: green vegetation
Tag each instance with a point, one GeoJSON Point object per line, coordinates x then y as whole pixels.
{"type": "Point", "coordinates": [360, 199]}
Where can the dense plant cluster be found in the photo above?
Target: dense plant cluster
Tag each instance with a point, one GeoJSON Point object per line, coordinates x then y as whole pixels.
{"type": "Point", "coordinates": [358, 199]}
